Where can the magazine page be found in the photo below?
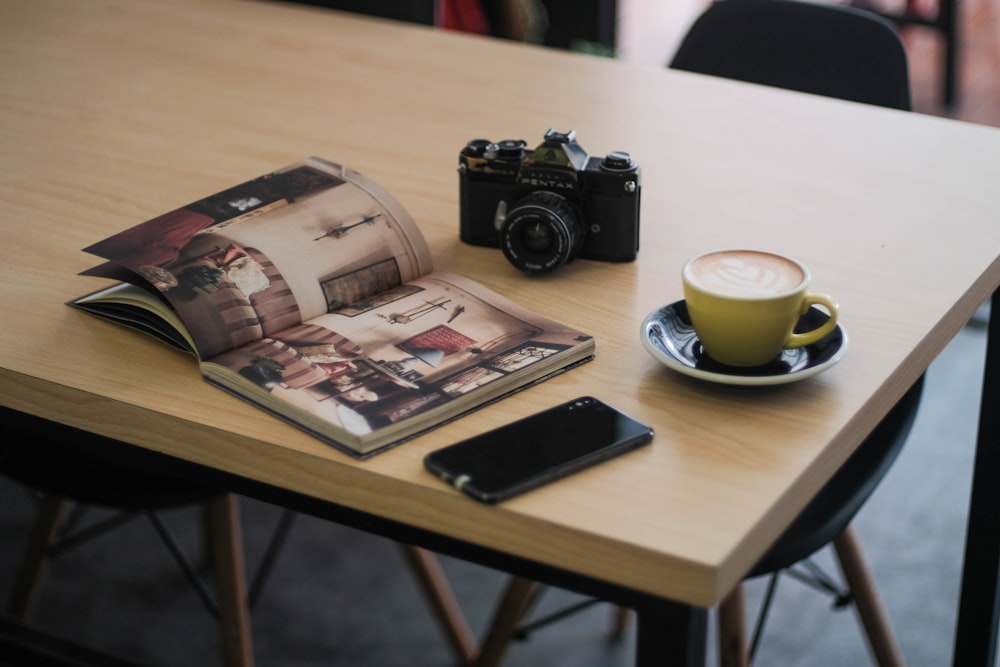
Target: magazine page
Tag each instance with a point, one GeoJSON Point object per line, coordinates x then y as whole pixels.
{"type": "Point", "coordinates": [140, 309]}
{"type": "Point", "coordinates": [417, 353]}
{"type": "Point", "coordinates": [273, 252]}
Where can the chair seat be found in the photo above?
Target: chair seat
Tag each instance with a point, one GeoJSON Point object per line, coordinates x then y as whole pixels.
{"type": "Point", "coordinates": [68, 462]}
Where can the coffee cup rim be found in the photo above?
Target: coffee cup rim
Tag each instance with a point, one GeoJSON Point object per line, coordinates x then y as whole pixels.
{"type": "Point", "coordinates": [802, 284]}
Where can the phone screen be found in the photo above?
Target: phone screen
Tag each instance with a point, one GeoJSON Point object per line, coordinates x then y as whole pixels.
{"type": "Point", "coordinates": [538, 449]}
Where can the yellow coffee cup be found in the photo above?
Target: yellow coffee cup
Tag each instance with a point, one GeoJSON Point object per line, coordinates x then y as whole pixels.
{"type": "Point", "coordinates": [744, 305]}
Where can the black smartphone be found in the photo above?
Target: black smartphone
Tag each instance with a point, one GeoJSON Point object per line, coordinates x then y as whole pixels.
{"type": "Point", "coordinates": [538, 449]}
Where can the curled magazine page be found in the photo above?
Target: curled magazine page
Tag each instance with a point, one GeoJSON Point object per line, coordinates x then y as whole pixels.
{"type": "Point", "coordinates": [273, 252]}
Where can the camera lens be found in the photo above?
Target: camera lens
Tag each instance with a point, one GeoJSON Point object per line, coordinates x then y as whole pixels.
{"type": "Point", "coordinates": [540, 233]}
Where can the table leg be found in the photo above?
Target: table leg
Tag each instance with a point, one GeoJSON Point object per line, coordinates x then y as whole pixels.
{"type": "Point", "coordinates": [670, 633]}
{"type": "Point", "coordinates": [979, 605]}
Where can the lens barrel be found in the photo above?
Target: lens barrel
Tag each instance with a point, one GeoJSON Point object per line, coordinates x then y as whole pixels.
{"type": "Point", "coordinates": [540, 233]}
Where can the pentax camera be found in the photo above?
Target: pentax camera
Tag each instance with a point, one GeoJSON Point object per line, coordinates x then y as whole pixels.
{"type": "Point", "coordinates": [543, 207]}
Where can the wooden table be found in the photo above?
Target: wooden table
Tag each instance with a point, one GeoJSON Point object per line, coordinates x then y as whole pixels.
{"type": "Point", "coordinates": [112, 112]}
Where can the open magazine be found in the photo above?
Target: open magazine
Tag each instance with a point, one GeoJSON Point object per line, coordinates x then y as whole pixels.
{"type": "Point", "coordinates": [310, 293]}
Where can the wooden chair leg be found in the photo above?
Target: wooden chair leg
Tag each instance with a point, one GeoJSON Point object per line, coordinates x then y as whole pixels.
{"type": "Point", "coordinates": [226, 532]}
{"type": "Point", "coordinates": [438, 591]}
{"type": "Point", "coordinates": [881, 638]}
{"type": "Point", "coordinates": [621, 616]}
{"type": "Point", "coordinates": [733, 646]}
{"type": "Point", "coordinates": [517, 599]}
{"type": "Point", "coordinates": [35, 562]}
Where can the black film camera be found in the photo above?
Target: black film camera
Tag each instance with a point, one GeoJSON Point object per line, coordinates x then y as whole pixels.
{"type": "Point", "coordinates": [545, 206]}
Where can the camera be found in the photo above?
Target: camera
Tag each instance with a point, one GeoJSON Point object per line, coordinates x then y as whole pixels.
{"type": "Point", "coordinates": [543, 207]}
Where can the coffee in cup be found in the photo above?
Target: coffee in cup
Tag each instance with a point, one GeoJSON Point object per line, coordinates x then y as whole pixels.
{"type": "Point", "coordinates": [744, 305]}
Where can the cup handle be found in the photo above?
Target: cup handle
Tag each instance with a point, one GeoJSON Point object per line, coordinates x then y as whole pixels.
{"type": "Point", "coordinates": [810, 337]}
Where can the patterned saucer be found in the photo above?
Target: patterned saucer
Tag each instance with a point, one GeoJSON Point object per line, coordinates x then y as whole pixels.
{"type": "Point", "coordinates": [667, 334]}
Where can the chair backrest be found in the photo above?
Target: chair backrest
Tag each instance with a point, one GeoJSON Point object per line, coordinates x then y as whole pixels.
{"type": "Point", "coordinates": [823, 49]}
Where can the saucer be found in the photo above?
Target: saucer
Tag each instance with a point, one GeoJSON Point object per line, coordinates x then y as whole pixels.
{"type": "Point", "coordinates": [667, 334]}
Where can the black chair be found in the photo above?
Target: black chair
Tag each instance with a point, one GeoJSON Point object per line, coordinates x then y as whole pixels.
{"type": "Point", "coordinates": [855, 55]}
{"type": "Point", "coordinates": [59, 465]}
{"type": "Point", "coordinates": [826, 520]}
{"type": "Point", "coordinates": [70, 469]}
{"type": "Point", "coordinates": [839, 52]}
{"type": "Point", "coordinates": [829, 50]}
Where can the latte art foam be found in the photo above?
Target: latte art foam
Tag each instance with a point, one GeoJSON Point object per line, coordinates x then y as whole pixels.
{"type": "Point", "coordinates": [744, 273]}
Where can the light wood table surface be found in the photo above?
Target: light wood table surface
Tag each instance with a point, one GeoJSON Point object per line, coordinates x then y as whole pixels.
{"type": "Point", "coordinates": [112, 112]}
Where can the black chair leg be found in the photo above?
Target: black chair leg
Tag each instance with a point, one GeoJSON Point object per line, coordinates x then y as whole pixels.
{"type": "Point", "coordinates": [185, 564]}
{"type": "Point", "coordinates": [270, 556]}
